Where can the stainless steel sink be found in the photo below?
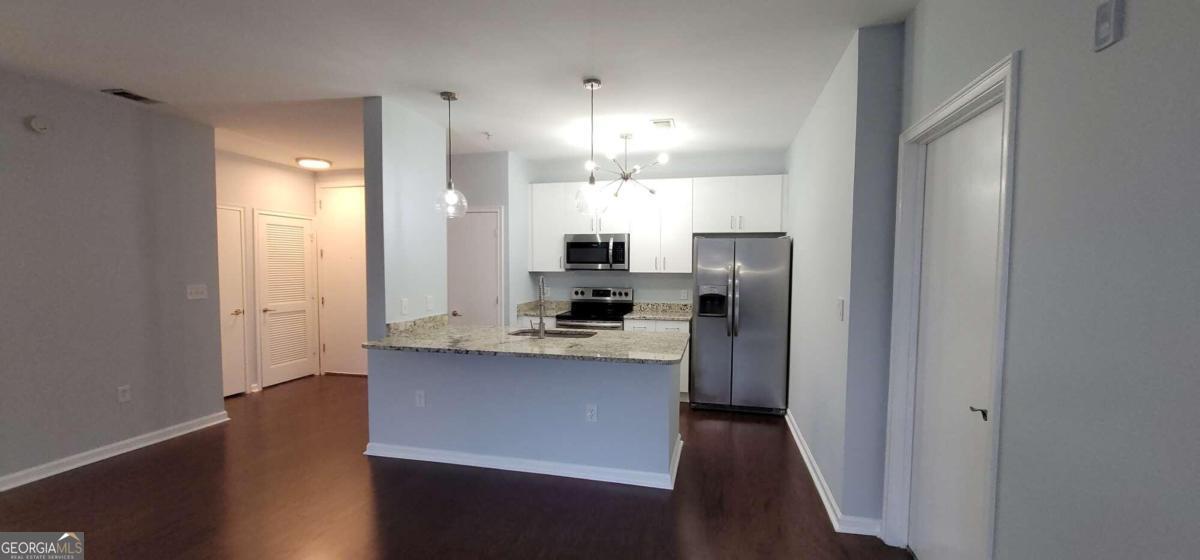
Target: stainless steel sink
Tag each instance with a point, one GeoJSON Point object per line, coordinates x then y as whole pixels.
{"type": "Point", "coordinates": [554, 333]}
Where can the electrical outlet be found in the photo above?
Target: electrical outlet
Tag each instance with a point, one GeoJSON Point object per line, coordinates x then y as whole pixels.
{"type": "Point", "coordinates": [404, 306]}
{"type": "Point", "coordinates": [197, 291]}
{"type": "Point", "coordinates": [685, 295]}
{"type": "Point", "coordinates": [590, 413]}
{"type": "Point", "coordinates": [428, 303]}
{"type": "Point", "coordinates": [420, 397]}
{"type": "Point", "coordinates": [124, 394]}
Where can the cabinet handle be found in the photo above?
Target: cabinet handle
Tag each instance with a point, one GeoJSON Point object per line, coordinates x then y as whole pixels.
{"type": "Point", "coordinates": [599, 224]}
{"type": "Point", "coordinates": [731, 222]}
{"type": "Point", "coordinates": [740, 226]}
{"type": "Point", "coordinates": [655, 263]}
{"type": "Point", "coordinates": [561, 264]}
{"type": "Point", "coordinates": [664, 264]}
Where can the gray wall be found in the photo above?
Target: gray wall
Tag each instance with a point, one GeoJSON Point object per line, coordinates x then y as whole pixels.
{"type": "Point", "coordinates": [520, 284]}
{"type": "Point", "coordinates": [105, 219]}
{"type": "Point", "coordinates": [1098, 445]}
{"type": "Point", "coordinates": [405, 173]}
{"type": "Point", "coordinates": [715, 164]}
{"type": "Point", "coordinates": [842, 167]}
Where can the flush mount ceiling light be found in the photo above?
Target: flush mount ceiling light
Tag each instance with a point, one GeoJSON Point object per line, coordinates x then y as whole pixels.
{"type": "Point", "coordinates": [313, 163]}
{"type": "Point", "coordinates": [591, 199]}
{"type": "Point", "coordinates": [452, 202]}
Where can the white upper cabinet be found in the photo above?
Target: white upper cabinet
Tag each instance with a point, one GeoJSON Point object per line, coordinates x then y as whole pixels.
{"type": "Point", "coordinates": [675, 237]}
{"type": "Point", "coordinates": [660, 227]}
{"type": "Point", "coordinates": [552, 214]}
{"type": "Point", "coordinates": [737, 204]}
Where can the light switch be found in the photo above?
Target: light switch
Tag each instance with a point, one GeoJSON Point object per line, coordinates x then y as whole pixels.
{"type": "Point", "coordinates": [684, 295]}
{"type": "Point", "coordinates": [197, 291]}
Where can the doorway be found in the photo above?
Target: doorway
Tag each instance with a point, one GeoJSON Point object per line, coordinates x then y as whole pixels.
{"type": "Point", "coordinates": [948, 317]}
{"type": "Point", "coordinates": [342, 254]}
{"type": "Point", "coordinates": [286, 287]}
{"type": "Point", "coordinates": [475, 268]}
{"type": "Point", "coordinates": [231, 286]}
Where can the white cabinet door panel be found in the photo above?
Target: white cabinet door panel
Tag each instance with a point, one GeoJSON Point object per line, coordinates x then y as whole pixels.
{"type": "Point", "coordinates": [713, 209]}
{"type": "Point", "coordinates": [675, 229]}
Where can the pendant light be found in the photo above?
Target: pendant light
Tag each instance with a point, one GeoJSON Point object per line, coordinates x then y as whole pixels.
{"type": "Point", "coordinates": [591, 199]}
{"type": "Point", "coordinates": [452, 201]}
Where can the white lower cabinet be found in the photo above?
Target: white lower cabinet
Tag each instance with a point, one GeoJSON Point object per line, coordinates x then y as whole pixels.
{"type": "Point", "coordinates": [666, 326]}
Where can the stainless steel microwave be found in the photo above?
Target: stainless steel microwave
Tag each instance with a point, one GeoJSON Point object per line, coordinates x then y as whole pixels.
{"type": "Point", "coordinates": [592, 251]}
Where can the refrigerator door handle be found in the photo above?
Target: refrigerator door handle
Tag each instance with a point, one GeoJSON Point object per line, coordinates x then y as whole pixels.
{"type": "Point", "coordinates": [737, 298]}
{"type": "Point", "coordinates": [729, 301]}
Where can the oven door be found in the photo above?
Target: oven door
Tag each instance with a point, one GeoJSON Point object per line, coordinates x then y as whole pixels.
{"type": "Point", "coordinates": [587, 252]}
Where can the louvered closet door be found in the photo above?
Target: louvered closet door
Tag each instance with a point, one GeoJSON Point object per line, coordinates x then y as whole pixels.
{"type": "Point", "coordinates": [286, 285]}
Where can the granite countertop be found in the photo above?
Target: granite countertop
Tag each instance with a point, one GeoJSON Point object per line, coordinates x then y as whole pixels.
{"type": "Point", "coordinates": [641, 311]}
{"type": "Point", "coordinates": [605, 346]}
{"type": "Point", "coordinates": [660, 312]}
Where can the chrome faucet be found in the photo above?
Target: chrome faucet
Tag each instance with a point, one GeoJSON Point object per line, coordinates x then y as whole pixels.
{"type": "Point", "coordinates": [541, 328]}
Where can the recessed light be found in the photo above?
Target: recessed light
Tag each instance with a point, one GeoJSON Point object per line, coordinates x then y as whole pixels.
{"type": "Point", "coordinates": [313, 163]}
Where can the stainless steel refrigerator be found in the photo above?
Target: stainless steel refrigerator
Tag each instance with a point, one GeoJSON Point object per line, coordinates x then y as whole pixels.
{"type": "Point", "coordinates": [741, 316]}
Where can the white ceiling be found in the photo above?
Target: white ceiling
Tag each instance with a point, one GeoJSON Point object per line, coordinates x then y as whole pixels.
{"type": "Point", "coordinates": [734, 75]}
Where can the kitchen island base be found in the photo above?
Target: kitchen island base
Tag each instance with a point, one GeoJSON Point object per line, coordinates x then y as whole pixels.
{"type": "Point", "coordinates": [599, 420]}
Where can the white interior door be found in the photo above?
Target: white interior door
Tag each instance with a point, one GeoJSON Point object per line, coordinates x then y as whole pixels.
{"type": "Point", "coordinates": [473, 268]}
{"type": "Point", "coordinates": [342, 255]}
{"type": "Point", "coordinates": [286, 286]}
{"type": "Point", "coordinates": [952, 445]}
{"type": "Point", "coordinates": [231, 285]}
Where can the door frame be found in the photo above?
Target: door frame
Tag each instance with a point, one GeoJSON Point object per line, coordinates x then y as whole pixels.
{"type": "Point", "coordinates": [321, 274]}
{"type": "Point", "coordinates": [247, 340]}
{"type": "Point", "coordinates": [501, 281]}
{"type": "Point", "coordinates": [997, 86]}
{"type": "Point", "coordinates": [258, 316]}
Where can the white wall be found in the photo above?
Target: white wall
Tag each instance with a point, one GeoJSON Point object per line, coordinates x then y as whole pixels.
{"type": "Point", "coordinates": [821, 177]}
{"type": "Point", "coordinates": [1098, 445]}
{"type": "Point", "coordinates": [339, 178]}
{"type": "Point", "coordinates": [842, 168]}
{"type": "Point", "coordinates": [103, 222]}
{"type": "Point", "coordinates": [661, 288]}
{"type": "Point", "coordinates": [682, 165]}
{"type": "Point", "coordinates": [255, 184]}
{"type": "Point", "coordinates": [405, 173]}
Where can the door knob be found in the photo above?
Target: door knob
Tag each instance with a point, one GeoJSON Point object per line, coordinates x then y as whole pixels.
{"type": "Point", "coordinates": [236, 312]}
{"type": "Point", "coordinates": [267, 310]}
{"type": "Point", "coordinates": [455, 313]}
{"type": "Point", "coordinates": [982, 412]}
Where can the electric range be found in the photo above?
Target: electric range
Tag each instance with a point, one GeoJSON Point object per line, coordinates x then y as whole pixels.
{"type": "Point", "coordinates": [597, 309]}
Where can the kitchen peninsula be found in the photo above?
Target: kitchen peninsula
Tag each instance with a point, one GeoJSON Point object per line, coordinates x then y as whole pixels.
{"type": "Point", "coordinates": [597, 405]}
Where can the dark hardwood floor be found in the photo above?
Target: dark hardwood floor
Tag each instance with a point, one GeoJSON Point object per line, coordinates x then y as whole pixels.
{"type": "Point", "coordinates": [286, 478]}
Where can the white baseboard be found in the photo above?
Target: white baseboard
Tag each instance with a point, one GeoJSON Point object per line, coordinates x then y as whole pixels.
{"type": "Point", "coordinates": [571, 470]}
{"type": "Point", "coordinates": [841, 523]}
{"type": "Point", "coordinates": [111, 450]}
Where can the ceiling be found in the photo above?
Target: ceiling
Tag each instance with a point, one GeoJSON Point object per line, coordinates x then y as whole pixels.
{"type": "Point", "coordinates": [734, 75]}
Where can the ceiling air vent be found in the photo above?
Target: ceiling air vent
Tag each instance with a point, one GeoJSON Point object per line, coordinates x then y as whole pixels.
{"type": "Point", "coordinates": [663, 123]}
{"type": "Point", "coordinates": [131, 96]}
